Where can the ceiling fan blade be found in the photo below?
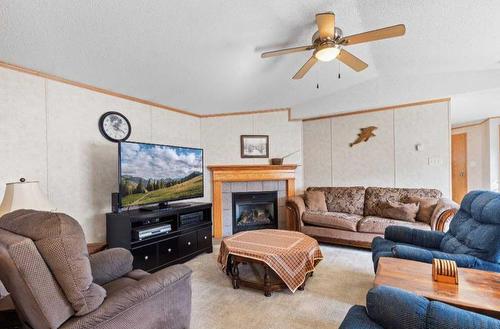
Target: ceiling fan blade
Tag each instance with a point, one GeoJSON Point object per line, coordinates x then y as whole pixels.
{"type": "Point", "coordinates": [383, 33]}
{"type": "Point", "coordinates": [285, 51]}
{"type": "Point", "coordinates": [305, 68]}
{"type": "Point", "coordinates": [352, 61]}
{"type": "Point", "coordinates": [326, 25]}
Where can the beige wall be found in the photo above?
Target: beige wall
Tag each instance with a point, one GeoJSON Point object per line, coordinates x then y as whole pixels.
{"type": "Point", "coordinates": [49, 132]}
{"type": "Point", "coordinates": [390, 158]}
{"type": "Point", "coordinates": [221, 140]}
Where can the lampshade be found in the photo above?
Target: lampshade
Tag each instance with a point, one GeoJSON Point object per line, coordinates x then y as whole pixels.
{"type": "Point", "coordinates": [24, 195]}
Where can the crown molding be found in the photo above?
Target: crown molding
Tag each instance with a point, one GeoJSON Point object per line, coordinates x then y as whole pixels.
{"type": "Point", "coordinates": [474, 124]}
{"type": "Point", "coordinates": [378, 109]}
{"type": "Point", "coordinates": [52, 77]}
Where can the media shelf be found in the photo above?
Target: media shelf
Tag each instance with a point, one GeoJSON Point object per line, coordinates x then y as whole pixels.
{"type": "Point", "coordinates": [190, 235]}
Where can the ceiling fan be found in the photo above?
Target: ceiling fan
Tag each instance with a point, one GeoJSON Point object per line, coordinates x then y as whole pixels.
{"type": "Point", "coordinates": [328, 43]}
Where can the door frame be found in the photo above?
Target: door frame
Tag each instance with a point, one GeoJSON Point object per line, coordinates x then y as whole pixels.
{"type": "Point", "coordinates": [466, 171]}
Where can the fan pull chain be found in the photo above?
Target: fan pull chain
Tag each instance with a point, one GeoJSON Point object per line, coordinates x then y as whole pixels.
{"type": "Point", "coordinates": [339, 70]}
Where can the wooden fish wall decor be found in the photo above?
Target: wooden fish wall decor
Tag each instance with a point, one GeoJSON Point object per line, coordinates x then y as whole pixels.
{"type": "Point", "coordinates": [364, 135]}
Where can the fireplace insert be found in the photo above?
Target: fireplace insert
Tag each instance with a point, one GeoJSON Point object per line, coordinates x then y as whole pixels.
{"type": "Point", "coordinates": [255, 210]}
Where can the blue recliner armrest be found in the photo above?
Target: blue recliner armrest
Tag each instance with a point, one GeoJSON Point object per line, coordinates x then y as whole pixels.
{"type": "Point", "coordinates": [468, 261]}
{"type": "Point", "coordinates": [425, 239]}
{"type": "Point", "coordinates": [395, 308]}
{"type": "Point", "coordinates": [412, 253]}
{"type": "Point", "coordinates": [357, 318]}
{"type": "Point", "coordinates": [426, 256]}
{"type": "Point", "coordinates": [440, 315]}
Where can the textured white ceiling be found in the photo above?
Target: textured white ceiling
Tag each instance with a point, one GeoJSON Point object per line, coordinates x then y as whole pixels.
{"type": "Point", "coordinates": [475, 106]}
{"type": "Point", "coordinates": [204, 56]}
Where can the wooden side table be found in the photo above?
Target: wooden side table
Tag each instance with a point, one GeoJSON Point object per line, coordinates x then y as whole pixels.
{"type": "Point", "coordinates": [477, 291]}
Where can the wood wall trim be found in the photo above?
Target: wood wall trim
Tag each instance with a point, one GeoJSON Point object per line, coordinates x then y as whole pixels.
{"type": "Point", "coordinates": [215, 115]}
{"type": "Point", "coordinates": [385, 108]}
{"type": "Point", "coordinates": [52, 77]}
{"type": "Point", "coordinates": [474, 124]}
{"type": "Point", "coordinates": [93, 88]}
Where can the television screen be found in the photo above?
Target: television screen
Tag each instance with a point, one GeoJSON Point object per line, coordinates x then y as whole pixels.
{"type": "Point", "coordinates": [151, 173]}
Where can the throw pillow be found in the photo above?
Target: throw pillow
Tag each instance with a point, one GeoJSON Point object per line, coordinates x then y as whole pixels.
{"type": "Point", "coordinates": [315, 200]}
{"type": "Point", "coordinates": [427, 206]}
{"type": "Point", "coordinates": [400, 211]}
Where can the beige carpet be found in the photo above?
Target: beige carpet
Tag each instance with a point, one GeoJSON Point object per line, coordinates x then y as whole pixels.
{"type": "Point", "coordinates": [341, 279]}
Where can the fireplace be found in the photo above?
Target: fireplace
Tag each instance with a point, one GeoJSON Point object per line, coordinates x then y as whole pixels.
{"type": "Point", "coordinates": [254, 210]}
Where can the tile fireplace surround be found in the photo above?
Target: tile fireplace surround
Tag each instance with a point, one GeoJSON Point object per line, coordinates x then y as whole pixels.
{"type": "Point", "coordinates": [226, 179]}
{"type": "Point", "coordinates": [228, 188]}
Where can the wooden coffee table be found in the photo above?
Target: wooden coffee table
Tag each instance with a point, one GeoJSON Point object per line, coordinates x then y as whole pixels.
{"type": "Point", "coordinates": [478, 291]}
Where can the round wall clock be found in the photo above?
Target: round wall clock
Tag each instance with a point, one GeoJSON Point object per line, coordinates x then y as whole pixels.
{"type": "Point", "coordinates": [114, 126]}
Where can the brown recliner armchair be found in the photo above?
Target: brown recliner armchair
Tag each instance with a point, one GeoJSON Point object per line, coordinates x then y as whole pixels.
{"type": "Point", "coordinates": [53, 282]}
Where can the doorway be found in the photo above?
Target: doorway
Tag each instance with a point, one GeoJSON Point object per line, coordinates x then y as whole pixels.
{"type": "Point", "coordinates": [459, 166]}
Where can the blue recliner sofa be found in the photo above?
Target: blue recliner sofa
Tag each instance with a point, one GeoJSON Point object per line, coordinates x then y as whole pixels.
{"type": "Point", "coordinates": [473, 240]}
{"type": "Point", "coordinates": [392, 308]}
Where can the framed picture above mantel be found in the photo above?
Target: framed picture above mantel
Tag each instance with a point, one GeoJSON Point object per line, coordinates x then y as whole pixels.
{"type": "Point", "coordinates": [254, 146]}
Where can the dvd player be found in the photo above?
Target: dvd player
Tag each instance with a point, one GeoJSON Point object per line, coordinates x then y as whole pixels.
{"type": "Point", "coordinates": [150, 232]}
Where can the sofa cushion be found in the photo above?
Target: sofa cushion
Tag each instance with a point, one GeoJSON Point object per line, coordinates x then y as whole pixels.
{"type": "Point", "coordinates": [475, 229]}
{"type": "Point", "coordinates": [61, 242]}
{"type": "Point", "coordinates": [401, 211]}
{"type": "Point", "coordinates": [374, 224]}
{"type": "Point", "coordinates": [337, 220]}
{"type": "Point", "coordinates": [376, 197]}
{"type": "Point", "coordinates": [343, 199]}
{"type": "Point", "coordinates": [315, 200]}
{"type": "Point", "coordinates": [426, 207]}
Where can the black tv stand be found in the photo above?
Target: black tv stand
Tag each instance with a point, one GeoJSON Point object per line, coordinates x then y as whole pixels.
{"type": "Point", "coordinates": [165, 205]}
{"type": "Point", "coordinates": [190, 235]}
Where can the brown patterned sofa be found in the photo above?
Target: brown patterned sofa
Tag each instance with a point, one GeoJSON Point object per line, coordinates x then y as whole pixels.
{"type": "Point", "coordinates": [54, 283]}
{"type": "Point", "coordinates": [354, 215]}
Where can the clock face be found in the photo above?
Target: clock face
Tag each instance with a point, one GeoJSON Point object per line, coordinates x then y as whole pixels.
{"type": "Point", "coordinates": [114, 126]}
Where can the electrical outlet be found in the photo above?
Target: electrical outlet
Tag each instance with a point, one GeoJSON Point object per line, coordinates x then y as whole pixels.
{"type": "Point", "coordinates": [435, 161]}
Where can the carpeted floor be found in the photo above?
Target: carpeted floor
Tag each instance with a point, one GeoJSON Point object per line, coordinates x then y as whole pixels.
{"type": "Point", "coordinates": [341, 279]}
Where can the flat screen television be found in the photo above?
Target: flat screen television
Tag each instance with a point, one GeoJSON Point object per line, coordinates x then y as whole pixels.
{"type": "Point", "coordinates": [157, 174]}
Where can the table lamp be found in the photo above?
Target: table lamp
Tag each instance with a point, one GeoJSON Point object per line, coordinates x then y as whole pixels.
{"type": "Point", "coordinates": [24, 195]}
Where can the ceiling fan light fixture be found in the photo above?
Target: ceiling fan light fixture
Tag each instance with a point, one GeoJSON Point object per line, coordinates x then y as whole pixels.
{"type": "Point", "coordinates": [327, 52]}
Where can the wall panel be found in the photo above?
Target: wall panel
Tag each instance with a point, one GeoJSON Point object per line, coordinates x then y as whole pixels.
{"type": "Point", "coordinates": [428, 126]}
{"type": "Point", "coordinates": [318, 153]}
{"type": "Point", "coordinates": [367, 163]}
{"type": "Point", "coordinates": [389, 158]}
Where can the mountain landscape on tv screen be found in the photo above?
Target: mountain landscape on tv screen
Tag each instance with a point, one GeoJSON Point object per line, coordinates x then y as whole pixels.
{"type": "Point", "coordinates": [157, 173]}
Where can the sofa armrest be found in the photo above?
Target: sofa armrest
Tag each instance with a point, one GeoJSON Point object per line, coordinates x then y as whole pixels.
{"type": "Point", "coordinates": [442, 215]}
{"type": "Point", "coordinates": [412, 253]}
{"type": "Point", "coordinates": [110, 264]}
{"type": "Point", "coordinates": [425, 239]}
{"type": "Point", "coordinates": [395, 308]}
{"type": "Point", "coordinates": [296, 208]}
{"type": "Point", "coordinates": [357, 318]}
{"type": "Point", "coordinates": [164, 296]}
{"type": "Point", "coordinates": [468, 261]}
